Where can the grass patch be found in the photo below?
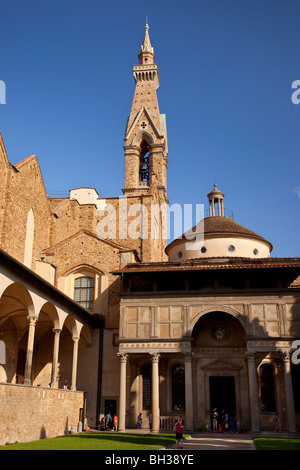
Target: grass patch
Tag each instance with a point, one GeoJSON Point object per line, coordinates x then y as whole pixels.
{"type": "Point", "coordinates": [276, 443]}
{"type": "Point", "coordinates": [98, 441]}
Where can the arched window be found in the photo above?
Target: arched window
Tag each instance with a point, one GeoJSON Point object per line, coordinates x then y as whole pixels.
{"type": "Point", "coordinates": [84, 292]}
{"type": "Point", "coordinates": [178, 388]}
{"type": "Point", "coordinates": [267, 393]}
{"type": "Point", "coordinates": [147, 386]}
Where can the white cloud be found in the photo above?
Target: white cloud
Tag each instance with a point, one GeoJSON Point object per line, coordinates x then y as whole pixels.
{"type": "Point", "coordinates": [297, 191]}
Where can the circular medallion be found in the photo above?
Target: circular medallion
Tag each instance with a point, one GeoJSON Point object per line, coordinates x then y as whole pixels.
{"type": "Point", "coordinates": [220, 332]}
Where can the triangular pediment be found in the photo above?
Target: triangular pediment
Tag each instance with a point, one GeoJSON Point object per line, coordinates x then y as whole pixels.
{"type": "Point", "coordinates": [221, 364]}
{"type": "Point", "coordinates": [143, 117]}
{"type": "Point", "coordinates": [83, 233]}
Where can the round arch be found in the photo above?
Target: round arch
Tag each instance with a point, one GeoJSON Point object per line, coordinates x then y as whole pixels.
{"type": "Point", "coordinates": [222, 309]}
{"type": "Point", "coordinates": [50, 310]}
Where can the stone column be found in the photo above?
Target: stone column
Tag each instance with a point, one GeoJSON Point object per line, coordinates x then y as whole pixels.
{"type": "Point", "coordinates": [155, 392]}
{"type": "Point", "coordinates": [253, 396]}
{"type": "Point", "coordinates": [289, 396]}
{"type": "Point", "coordinates": [54, 375]}
{"type": "Point", "coordinates": [74, 362]}
{"type": "Point", "coordinates": [29, 353]}
{"type": "Point", "coordinates": [122, 400]}
{"type": "Point", "coordinates": [189, 426]}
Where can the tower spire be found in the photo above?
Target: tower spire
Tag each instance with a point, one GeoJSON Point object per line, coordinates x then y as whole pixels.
{"type": "Point", "coordinates": [146, 55]}
{"type": "Point", "coordinates": [146, 147]}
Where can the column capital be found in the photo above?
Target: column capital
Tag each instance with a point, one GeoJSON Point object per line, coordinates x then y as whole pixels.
{"type": "Point", "coordinates": [250, 355]}
{"type": "Point", "coordinates": [285, 356]}
{"type": "Point", "coordinates": [188, 356]}
{"type": "Point", "coordinates": [32, 320]}
{"type": "Point", "coordinates": [57, 331]}
{"type": "Point", "coordinates": [123, 356]}
{"type": "Point", "coordinates": [155, 356]}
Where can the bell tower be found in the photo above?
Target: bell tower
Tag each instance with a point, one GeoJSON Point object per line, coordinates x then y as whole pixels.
{"type": "Point", "coordinates": [146, 147]}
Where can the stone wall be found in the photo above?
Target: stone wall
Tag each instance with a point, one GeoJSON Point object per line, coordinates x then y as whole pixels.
{"type": "Point", "coordinates": [31, 413]}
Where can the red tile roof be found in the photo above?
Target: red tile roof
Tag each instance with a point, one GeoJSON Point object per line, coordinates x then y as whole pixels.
{"type": "Point", "coordinates": [212, 264]}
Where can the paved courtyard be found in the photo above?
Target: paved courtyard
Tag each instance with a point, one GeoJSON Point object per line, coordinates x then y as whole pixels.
{"type": "Point", "coordinates": [215, 442]}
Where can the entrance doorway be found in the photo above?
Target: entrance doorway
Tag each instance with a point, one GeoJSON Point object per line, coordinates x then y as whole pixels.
{"type": "Point", "coordinates": [222, 394]}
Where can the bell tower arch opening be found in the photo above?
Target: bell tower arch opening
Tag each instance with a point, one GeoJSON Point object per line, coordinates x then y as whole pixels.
{"type": "Point", "coordinates": [144, 163]}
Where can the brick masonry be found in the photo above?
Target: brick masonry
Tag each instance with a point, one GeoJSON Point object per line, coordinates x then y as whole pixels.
{"type": "Point", "coordinates": [27, 412]}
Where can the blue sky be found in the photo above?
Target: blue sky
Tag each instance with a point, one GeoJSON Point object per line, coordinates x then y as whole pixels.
{"type": "Point", "coordinates": [226, 71]}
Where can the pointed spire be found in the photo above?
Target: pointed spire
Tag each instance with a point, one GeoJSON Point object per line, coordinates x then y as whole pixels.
{"type": "Point", "coordinates": [146, 54]}
{"type": "Point", "coordinates": [146, 46]}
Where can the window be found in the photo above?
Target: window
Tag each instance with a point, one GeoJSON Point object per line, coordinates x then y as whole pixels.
{"type": "Point", "coordinates": [178, 388]}
{"type": "Point", "coordinates": [84, 292]}
{"type": "Point", "coordinates": [147, 386]}
{"type": "Point", "coordinates": [267, 395]}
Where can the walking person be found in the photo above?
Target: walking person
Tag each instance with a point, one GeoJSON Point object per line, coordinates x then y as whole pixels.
{"type": "Point", "coordinates": [108, 420]}
{"type": "Point", "coordinates": [276, 423]}
{"type": "Point", "coordinates": [178, 428]}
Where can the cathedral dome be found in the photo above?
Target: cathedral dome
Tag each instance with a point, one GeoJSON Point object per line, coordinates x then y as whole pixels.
{"type": "Point", "coordinates": [218, 236]}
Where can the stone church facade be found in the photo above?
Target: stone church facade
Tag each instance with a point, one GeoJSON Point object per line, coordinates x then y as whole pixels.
{"type": "Point", "coordinates": [93, 299]}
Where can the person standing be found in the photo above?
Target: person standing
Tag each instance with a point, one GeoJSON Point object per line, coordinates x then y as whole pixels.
{"type": "Point", "coordinates": [234, 423]}
{"type": "Point", "coordinates": [225, 421]}
{"type": "Point", "coordinates": [139, 421]}
{"type": "Point", "coordinates": [215, 420]}
{"type": "Point", "coordinates": [115, 425]}
{"type": "Point", "coordinates": [179, 427]}
{"type": "Point", "coordinates": [108, 420]}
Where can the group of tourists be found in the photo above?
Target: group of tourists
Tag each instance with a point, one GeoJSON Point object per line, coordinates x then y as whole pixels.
{"type": "Point", "coordinates": [222, 422]}
{"type": "Point", "coordinates": [111, 423]}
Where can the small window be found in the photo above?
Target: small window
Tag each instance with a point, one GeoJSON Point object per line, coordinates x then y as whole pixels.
{"type": "Point", "coordinates": [255, 251]}
{"type": "Point", "coordinates": [231, 248]}
{"type": "Point", "coordinates": [84, 292]}
{"type": "Point", "coordinates": [179, 254]}
{"type": "Point", "coordinates": [203, 249]}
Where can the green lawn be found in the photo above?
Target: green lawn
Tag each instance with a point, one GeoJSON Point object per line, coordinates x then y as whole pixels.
{"type": "Point", "coordinates": [276, 443]}
{"type": "Point", "coordinates": [98, 441]}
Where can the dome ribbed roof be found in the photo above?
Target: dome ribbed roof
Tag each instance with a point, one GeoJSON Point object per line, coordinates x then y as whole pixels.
{"type": "Point", "coordinates": [221, 225]}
